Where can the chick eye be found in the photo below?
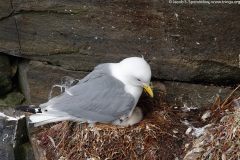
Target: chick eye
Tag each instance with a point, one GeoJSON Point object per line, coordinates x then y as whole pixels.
{"type": "Point", "coordinates": [138, 79]}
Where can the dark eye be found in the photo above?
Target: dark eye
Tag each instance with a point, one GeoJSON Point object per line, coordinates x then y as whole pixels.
{"type": "Point", "coordinates": [138, 79]}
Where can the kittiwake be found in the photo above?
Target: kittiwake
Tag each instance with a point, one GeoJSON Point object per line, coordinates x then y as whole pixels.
{"type": "Point", "coordinates": [108, 94]}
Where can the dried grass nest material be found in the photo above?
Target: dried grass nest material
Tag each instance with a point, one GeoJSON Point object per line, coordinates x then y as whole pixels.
{"type": "Point", "coordinates": [222, 140]}
{"type": "Point", "coordinates": [150, 139]}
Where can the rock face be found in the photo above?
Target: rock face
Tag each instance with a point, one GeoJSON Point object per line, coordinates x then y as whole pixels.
{"type": "Point", "coordinates": [191, 43]}
{"type": "Point", "coordinates": [6, 137]}
{"type": "Point", "coordinates": [5, 75]}
{"type": "Point", "coordinates": [13, 132]}
{"type": "Point", "coordinates": [37, 79]}
{"type": "Point", "coordinates": [13, 138]}
{"type": "Point", "coordinates": [8, 30]}
{"type": "Point", "coordinates": [193, 96]}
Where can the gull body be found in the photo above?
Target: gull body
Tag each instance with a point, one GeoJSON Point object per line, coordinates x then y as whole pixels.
{"type": "Point", "coordinates": [108, 94]}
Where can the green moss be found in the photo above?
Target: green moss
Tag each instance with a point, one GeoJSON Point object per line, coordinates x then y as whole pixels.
{"type": "Point", "coordinates": [12, 99]}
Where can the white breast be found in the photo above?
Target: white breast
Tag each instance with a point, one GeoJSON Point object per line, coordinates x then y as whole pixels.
{"type": "Point", "coordinates": [119, 74]}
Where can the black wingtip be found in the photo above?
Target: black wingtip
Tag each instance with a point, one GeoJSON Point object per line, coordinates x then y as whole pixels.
{"type": "Point", "coordinates": [28, 109]}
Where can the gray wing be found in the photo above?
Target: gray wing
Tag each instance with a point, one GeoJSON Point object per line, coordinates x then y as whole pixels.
{"type": "Point", "coordinates": [99, 98]}
{"type": "Point", "coordinates": [100, 70]}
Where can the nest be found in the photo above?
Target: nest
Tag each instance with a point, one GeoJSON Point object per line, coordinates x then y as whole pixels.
{"type": "Point", "coordinates": [161, 135]}
{"type": "Point", "coordinates": [153, 138]}
{"type": "Point", "coordinates": [221, 141]}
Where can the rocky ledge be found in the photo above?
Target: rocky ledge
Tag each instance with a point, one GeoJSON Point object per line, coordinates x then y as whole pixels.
{"type": "Point", "coordinates": [193, 50]}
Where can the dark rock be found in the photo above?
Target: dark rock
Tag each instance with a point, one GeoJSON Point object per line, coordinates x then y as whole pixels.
{"type": "Point", "coordinates": [23, 149]}
{"type": "Point", "coordinates": [13, 136]}
{"type": "Point", "coordinates": [181, 42]}
{"type": "Point", "coordinates": [5, 9]}
{"type": "Point", "coordinates": [5, 75]}
{"type": "Point", "coordinates": [7, 129]}
{"type": "Point", "coordinates": [13, 131]}
{"type": "Point", "coordinates": [24, 152]}
{"type": "Point", "coordinates": [190, 96]}
{"type": "Point", "coordinates": [37, 80]}
{"type": "Point", "coordinates": [197, 71]}
{"type": "Point", "coordinates": [8, 29]}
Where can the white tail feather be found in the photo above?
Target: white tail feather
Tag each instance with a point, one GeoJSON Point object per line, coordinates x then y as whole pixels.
{"type": "Point", "coordinates": [39, 119]}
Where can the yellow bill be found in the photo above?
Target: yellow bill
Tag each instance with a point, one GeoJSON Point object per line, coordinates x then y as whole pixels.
{"type": "Point", "coordinates": [149, 90]}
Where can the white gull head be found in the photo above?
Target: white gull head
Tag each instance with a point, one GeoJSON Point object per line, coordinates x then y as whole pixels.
{"type": "Point", "coordinates": [135, 73]}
